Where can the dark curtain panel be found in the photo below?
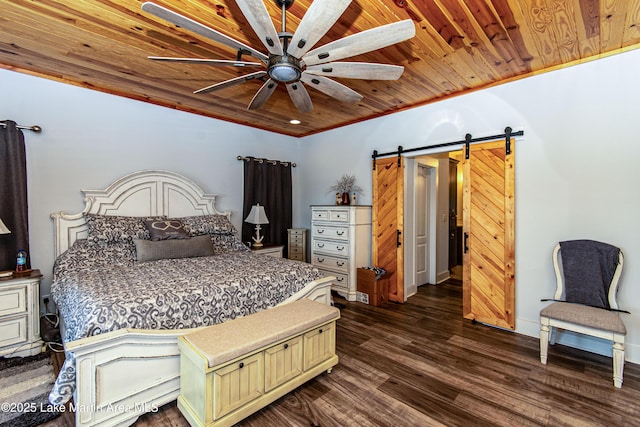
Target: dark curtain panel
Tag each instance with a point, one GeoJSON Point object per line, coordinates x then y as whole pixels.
{"type": "Point", "coordinates": [270, 185]}
{"type": "Point", "coordinates": [13, 195]}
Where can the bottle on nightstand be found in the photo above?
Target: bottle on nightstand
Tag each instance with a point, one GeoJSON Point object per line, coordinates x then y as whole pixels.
{"type": "Point", "coordinates": [21, 260]}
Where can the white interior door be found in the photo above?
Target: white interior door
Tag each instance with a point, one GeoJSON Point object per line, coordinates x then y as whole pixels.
{"type": "Point", "coordinates": [422, 186]}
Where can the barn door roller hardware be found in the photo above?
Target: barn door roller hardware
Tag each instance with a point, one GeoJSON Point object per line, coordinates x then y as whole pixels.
{"type": "Point", "coordinates": [466, 142]}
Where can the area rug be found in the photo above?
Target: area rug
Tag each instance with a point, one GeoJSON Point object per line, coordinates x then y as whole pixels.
{"type": "Point", "coordinates": [25, 383]}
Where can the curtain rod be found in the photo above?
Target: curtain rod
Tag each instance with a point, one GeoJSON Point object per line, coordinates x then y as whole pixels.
{"type": "Point", "coordinates": [273, 162]}
{"type": "Point", "coordinates": [35, 128]}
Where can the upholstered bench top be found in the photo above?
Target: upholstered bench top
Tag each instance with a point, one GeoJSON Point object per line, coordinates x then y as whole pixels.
{"type": "Point", "coordinates": [226, 341]}
{"type": "Point", "coordinates": [593, 317]}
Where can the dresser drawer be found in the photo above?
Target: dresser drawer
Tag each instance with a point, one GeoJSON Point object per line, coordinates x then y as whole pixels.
{"type": "Point", "coordinates": [13, 301]}
{"type": "Point", "coordinates": [320, 215]}
{"type": "Point", "coordinates": [342, 279]}
{"type": "Point", "coordinates": [339, 215]}
{"type": "Point", "coordinates": [13, 331]}
{"type": "Point", "coordinates": [329, 247]}
{"type": "Point", "coordinates": [328, 232]}
{"type": "Point", "coordinates": [295, 232]}
{"type": "Point", "coordinates": [296, 257]}
{"type": "Point", "coordinates": [334, 263]}
{"type": "Point", "coordinates": [295, 250]}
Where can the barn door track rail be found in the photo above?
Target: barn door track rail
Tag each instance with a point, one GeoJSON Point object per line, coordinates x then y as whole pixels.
{"type": "Point", "coordinates": [466, 142]}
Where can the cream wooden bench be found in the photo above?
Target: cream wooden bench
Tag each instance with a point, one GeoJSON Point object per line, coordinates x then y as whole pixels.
{"type": "Point", "coordinates": [231, 370]}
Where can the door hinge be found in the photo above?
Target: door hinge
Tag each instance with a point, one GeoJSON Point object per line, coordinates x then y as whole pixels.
{"type": "Point", "coordinates": [398, 241]}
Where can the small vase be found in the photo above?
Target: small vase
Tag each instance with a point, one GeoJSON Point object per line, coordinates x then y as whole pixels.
{"type": "Point", "coordinates": [345, 198]}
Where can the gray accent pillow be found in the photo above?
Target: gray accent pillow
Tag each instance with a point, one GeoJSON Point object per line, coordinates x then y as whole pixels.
{"type": "Point", "coordinates": [148, 250]}
{"type": "Point", "coordinates": [166, 229]}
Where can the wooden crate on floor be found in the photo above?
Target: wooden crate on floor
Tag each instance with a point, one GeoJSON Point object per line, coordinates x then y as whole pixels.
{"type": "Point", "coordinates": [377, 290]}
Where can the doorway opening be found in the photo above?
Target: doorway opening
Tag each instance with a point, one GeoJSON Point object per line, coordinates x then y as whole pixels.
{"type": "Point", "coordinates": [433, 219]}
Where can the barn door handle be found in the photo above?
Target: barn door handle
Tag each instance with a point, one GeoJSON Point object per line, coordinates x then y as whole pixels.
{"type": "Point", "coordinates": [398, 234]}
{"type": "Point", "coordinates": [466, 247]}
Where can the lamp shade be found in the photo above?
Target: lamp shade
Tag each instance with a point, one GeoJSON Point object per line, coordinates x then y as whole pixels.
{"type": "Point", "coordinates": [3, 228]}
{"type": "Point", "coordinates": [257, 215]}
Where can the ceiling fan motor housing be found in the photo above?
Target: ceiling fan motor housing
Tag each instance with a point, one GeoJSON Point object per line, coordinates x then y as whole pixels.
{"type": "Point", "coordinates": [284, 68]}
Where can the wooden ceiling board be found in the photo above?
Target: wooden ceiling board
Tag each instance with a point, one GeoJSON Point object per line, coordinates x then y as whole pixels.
{"type": "Point", "coordinates": [460, 46]}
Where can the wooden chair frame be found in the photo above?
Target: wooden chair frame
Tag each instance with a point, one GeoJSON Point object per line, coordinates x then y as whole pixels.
{"type": "Point", "coordinates": [549, 326]}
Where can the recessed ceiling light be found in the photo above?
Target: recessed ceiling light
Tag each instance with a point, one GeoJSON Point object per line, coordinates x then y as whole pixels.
{"type": "Point", "coordinates": [294, 121]}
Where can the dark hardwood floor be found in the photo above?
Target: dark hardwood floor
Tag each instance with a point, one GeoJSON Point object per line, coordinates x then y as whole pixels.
{"type": "Point", "coordinates": [422, 364]}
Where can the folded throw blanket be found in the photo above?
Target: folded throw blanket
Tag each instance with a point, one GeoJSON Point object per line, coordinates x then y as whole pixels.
{"type": "Point", "coordinates": [588, 268]}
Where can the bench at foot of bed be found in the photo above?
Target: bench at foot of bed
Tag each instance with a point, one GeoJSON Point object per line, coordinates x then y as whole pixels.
{"type": "Point", "coordinates": [231, 370]}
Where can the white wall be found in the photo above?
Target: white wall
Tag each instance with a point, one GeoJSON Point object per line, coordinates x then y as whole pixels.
{"type": "Point", "coordinates": [576, 168]}
{"type": "Point", "coordinates": [576, 172]}
{"type": "Point", "coordinates": [89, 139]}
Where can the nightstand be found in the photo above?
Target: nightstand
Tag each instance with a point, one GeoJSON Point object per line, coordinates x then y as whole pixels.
{"type": "Point", "coordinates": [271, 250]}
{"type": "Point", "coordinates": [19, 319]}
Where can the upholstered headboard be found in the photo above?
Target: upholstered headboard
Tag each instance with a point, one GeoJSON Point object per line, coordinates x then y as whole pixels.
{"type": "Point", "coordinates": [144, 193]}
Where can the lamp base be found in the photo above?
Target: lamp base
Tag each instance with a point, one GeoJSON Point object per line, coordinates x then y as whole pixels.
{"type": "Point", "coordinates": [257, 244]}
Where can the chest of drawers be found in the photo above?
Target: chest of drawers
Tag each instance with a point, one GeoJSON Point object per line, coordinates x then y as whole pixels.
{"type": "Point", "coordinates": [297, 244]}
{"type": "Point", "coordinates": [340, 243]}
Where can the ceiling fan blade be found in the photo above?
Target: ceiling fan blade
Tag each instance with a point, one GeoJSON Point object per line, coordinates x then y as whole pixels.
{"type": "Point", "coordinates": [232, 82]}
{"type": "Point", "coordinates": [317, 20]}
{"type": "Point", "coordinates": [198, 28]}
{"type": "Point", "coordinates": [262, 95]}
{"type": "Point", "coordinates": [300, 97]}
{"type": "Point", "coordinates": [331, 88]}
{"type": "Point", "coordinates": [256, 13]}
{"type": "Point", "coordinates": [357, 70]}
{"type": "Point", "coordinates": [362, 42]}
{"type": "Point", "coordinates": [218, 62]}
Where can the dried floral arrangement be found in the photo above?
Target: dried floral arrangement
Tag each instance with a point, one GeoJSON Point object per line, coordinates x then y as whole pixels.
{"type": "Point", "coordinates": [346, 184]}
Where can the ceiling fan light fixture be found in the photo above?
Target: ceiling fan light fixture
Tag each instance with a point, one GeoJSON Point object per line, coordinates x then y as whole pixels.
{"type": "Point", "coordinates": [284, 69]}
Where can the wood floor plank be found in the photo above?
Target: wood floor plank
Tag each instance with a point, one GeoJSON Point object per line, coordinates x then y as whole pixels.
{"type": "Point", "coordinates": [422, 364]}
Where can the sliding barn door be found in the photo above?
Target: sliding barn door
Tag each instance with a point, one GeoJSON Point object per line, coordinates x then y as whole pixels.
{"type": "Point", "coordinates": [387, 219]}
{"type": "Point", "coordinates": [489, 242]}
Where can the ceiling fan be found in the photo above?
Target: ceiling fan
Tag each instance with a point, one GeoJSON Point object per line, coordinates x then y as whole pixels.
{"type": "Point", "coordinates": [290, 59]}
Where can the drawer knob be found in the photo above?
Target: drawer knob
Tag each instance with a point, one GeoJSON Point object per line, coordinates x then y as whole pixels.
{"type": "Point", "coordinates": [286, 346]}
{"type": "Point", "coordinates": [339, 263]}
{"type": "Point", "coordinates": [340, 248]}
{"type": "Point", "coordinates": [340, 279]}
{"type": "Point", "coordinates": [339, 233]}
{"type": "Point", "coordinates": [320, 331]}
{"type": "Point", "coordinates": [320, 231]}
{"type": "Point", "coordinates": [241, 365]}
{"type": "Point", "coordinates": [320, 259]}
{"type": "Point", "coordinates": [321, 245]}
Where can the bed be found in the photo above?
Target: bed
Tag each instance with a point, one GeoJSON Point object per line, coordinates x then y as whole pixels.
{"type": "Point", "coordinates": [123, 302]}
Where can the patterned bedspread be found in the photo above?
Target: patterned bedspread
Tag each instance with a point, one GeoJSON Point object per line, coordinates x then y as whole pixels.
{"type": "Point", "coordinates": [101, 288]}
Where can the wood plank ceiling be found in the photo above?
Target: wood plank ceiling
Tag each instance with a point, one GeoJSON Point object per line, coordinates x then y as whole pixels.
{"type": "Point", "coordinates": [460, 46]}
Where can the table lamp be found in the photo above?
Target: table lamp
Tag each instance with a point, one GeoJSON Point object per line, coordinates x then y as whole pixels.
{"type": "Point", "coordinates": [5, 230]}
{"type": "Point", "coordinates": [257, 216]}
